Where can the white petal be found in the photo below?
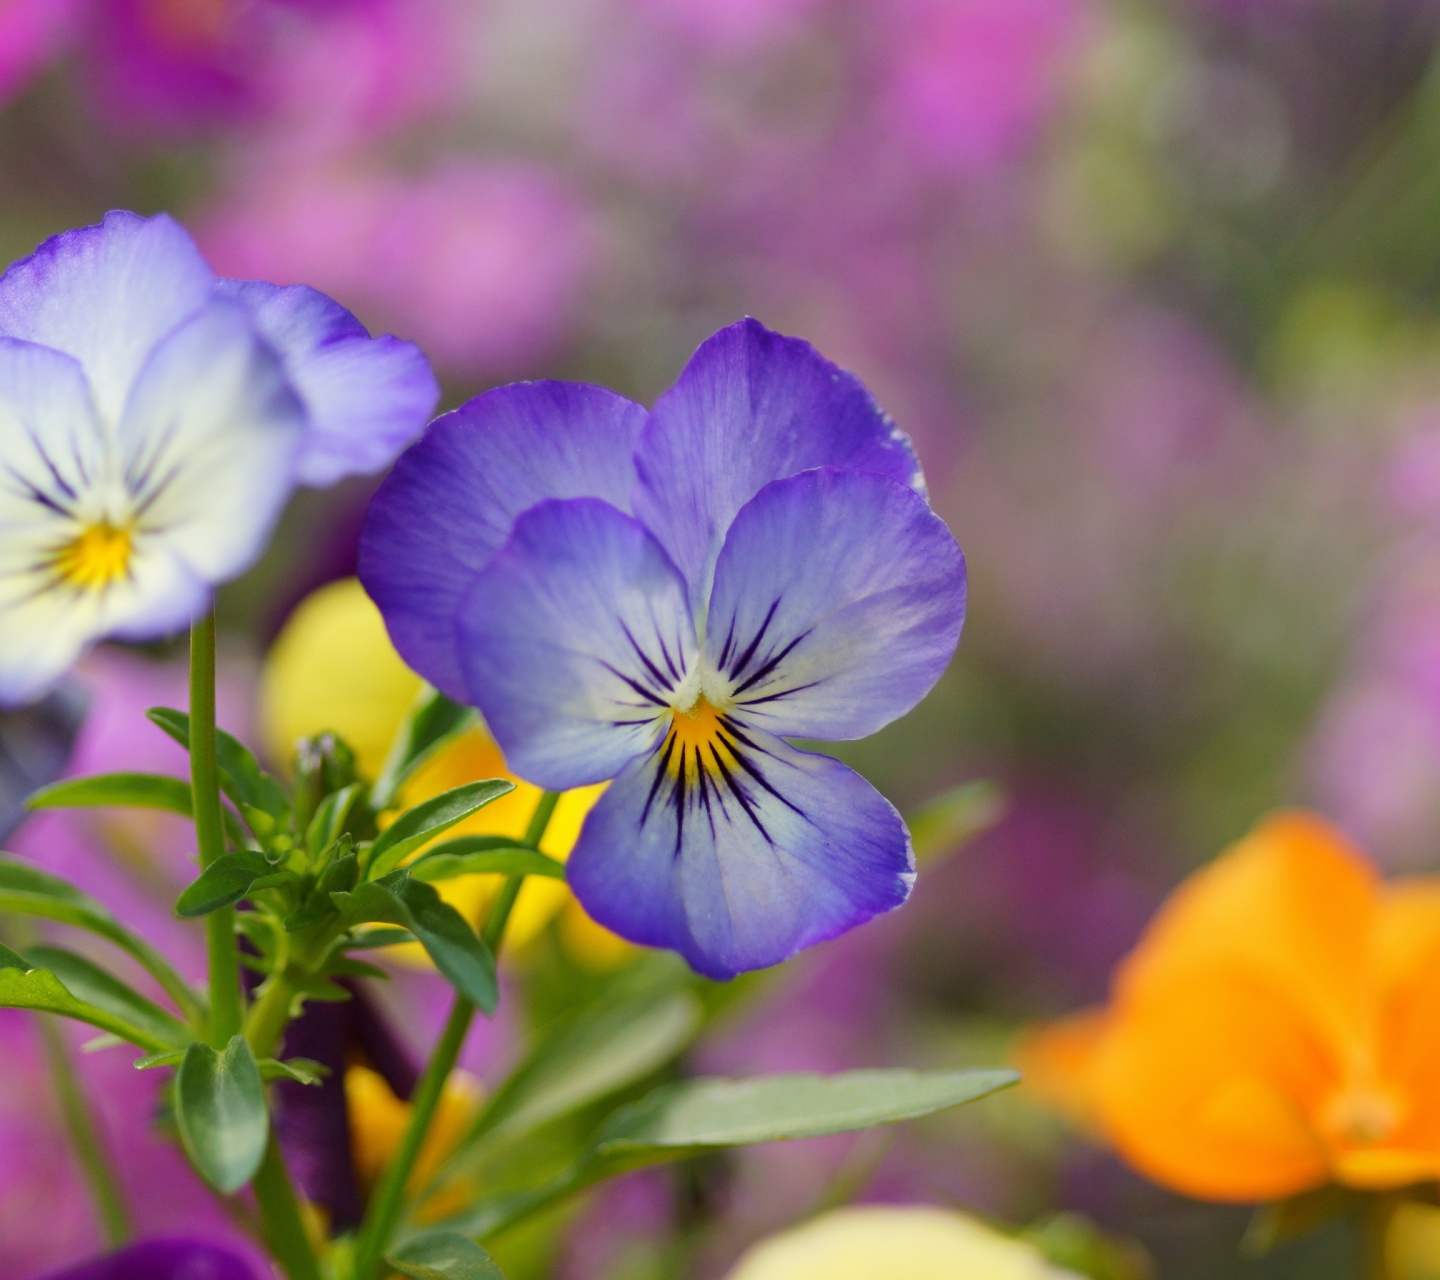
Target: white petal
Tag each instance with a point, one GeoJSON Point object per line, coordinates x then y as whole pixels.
{"type": "Point", "coordinates": [208, 443]}
{"type": "Point", "coordinates": [106, 295]}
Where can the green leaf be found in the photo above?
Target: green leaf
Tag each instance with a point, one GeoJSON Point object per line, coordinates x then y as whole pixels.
{"type": "Point", "coordinates": [116, 790]}
{"type": "Point", "coordinates": [241, 776]}
{"type": "Point", "coordinates": [444, 1255]}
{"type": "Point", "coordinates": [339, 877]}
{"type": "Point", "coordinates": [602, 1051]}
{"type": "Point", "coordinates": [86, 980]}
{"type": "Point", "coordinates": [697, 1114]}
{"type": "Point", "coordinates": [22, 987]}
{"type": "Point", "coordinates": [433, 721]}
{"type": "Point", "coordinates": [329, 821]}
{"type": "Point", "coordinates": [680, 1120]}
{"type": "Point", "coordinates": [450, 942]}
{"type": "Point", "coordinates": [169, 1058]}
{"type": "Point", "coordinates": [220, 1112]}
{"type": "Point", "coordinates": [954, 818]}
{"type": "Point", "coordinates": [228, 879]}
{"type": "Point", "coordinates": [301, 1070]}
{"type": "Point", "coordinates": [128, 791]}
{"type": "Point", "coordinates": [424, 822]}
{"type": "Point", "coordinates": [453, 858]}
{"type": "Point", "coordinates": [27, 890]}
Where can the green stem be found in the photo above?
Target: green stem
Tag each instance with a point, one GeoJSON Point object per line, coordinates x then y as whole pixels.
{"type": "Point", "coordinates": [383, 1211]}
{"type": "Point", "coordinates": [90, 1149]}
{"type": "Point", "coordinates": [284, 1224]}
{"type": "Point", "coordinates": [270, 1015]}
{"type": "Point", "coordinates": [224, 956]}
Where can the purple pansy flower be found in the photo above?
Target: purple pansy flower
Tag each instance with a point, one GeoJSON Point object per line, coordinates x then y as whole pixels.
{"type": "Point", "coordinates": [663, 599]}
{"type": "Point", "coordinates": [162, 1260]}
{"type": "Point", "coordinates": [153, 420]}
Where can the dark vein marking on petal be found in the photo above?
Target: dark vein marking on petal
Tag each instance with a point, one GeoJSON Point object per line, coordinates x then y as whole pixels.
{"type": "Point", "coordinates": [744, 660]}
{"type": "Point", "coordinates": [770, 664]}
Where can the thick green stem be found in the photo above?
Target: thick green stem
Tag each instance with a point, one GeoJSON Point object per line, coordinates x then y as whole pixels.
{"type": "Point", "coordinates": [95, 1162]}
{"type": "Point", "coordinates": [383, 1211]}
{"type": "Point", "coordinates": [225, 997]}
{"type": "Point", "coordinates": [284, 1224]}
{"type": "Point", "coordinates": [270, 1015]}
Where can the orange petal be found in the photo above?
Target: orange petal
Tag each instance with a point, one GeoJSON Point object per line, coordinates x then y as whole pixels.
{"type": "Point", "coordinates": [1209, 1089]}
{"type": "Point", "coordinates": [1293, 904]}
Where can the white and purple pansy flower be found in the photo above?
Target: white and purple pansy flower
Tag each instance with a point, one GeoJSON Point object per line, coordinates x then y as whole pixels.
{"type": "Point", "coordinates": [664, 600]}
{"type": "Point", "coordinates": [153, 420]}
{"type": "Point", "coordinates": [178, 1259]}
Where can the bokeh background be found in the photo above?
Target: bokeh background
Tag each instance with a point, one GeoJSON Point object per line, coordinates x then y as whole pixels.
{"type": "Point", "coordinates": [1154, 285]}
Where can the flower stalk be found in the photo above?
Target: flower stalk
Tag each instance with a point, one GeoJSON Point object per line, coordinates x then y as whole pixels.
{"type": "Point", "coordinates": [385, 1205]}
{"type": "Point", "coordinates": [223, 954]}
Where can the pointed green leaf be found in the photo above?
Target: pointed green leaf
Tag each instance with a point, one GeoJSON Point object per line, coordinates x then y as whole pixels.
{"type": "Point", "coordinates": [301, 1070]}
{"type": "Point", "coordinates": [424, 822]}
{"type": "Point", "coordinates": [241, 776]}
{"type": "Point", "coordinates": [86, 980]}
{"type": "Point", "coordinates": [227, 880]}
{"type": "Point", "coordinates": [116, 790]}
{"type": "Point", "coordinates": [220, 1112]}
{"type": "Point", "coordinates": [170, 1058]}
{"type": "Point", "coordinates": [445, 863]}
{"type": "Point", "coordinates": [433, 721]}
{"type": "Point", "coordinates": [444, 1255]}
{"type": "Point", "coordinates": [22, 987]}
{"type": "Point", "coordinates": [450, 942]}
{"type": "Point", "coordinates": [27, 890]}
{"type": "Point", "coordinates": [735, 1113]}
{"type": "Point", "coordinates": [684, 1119]}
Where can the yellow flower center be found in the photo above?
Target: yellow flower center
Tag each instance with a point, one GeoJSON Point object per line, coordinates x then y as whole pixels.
{"type": "Point", "coordinates": [99, 555]}
{"type": "Point", "coordinates": [696, 731]}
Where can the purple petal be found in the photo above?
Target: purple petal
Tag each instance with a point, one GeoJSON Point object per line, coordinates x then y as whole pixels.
{"type": "Point", "coordinates": [752, 407]}
{"type": "Point", "coordinates": [35, 745]}
{"type": "Point", "coordinates": [449, 505]}
{"type": "Point", "coordinates": [106, 294]}
{"type": "Point", "coordinates": [572, 640]}
{"type": "Point", "coordinates": [365, 398]}
{"type": "Point", "coordinates": [162, 1260]}
{"type": "Point", "coordinates": [837, 604]}
{"type": "Point", "coordinates": [762, 851]}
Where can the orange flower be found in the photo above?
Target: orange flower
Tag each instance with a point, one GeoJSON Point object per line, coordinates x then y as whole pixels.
{"type": "Point", "coordinates": [1276, 1028]}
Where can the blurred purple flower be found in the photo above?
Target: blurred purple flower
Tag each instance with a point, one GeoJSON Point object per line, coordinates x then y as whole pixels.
{"type": "Point", "coordinates": [973, 82]}
{"type": "Point", "coordinates": [176, 1259]}
{"type": "Point", "coordinates": [483, 265]}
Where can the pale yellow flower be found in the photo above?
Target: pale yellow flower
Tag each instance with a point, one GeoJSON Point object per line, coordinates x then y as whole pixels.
{"type": "Point", "coordinates": [334, 669]}
{"type": "Point", "coordinates": [885, 1242]}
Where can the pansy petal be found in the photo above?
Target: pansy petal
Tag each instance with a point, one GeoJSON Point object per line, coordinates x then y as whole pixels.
{"type": "Point", "coordinates": [752, 406]}
{"type": "Point", "coordinates": [837, 604]}
{"type": "Point", "coordinates": [570, 640]}
{"type": "Point", "coordinates": [52, 462]}
{"type": "Point", "coordinates": [745, 863]}
{"type": "Point", "coordinates": [179, 1259]}
{"type": "Point", "coordinates": [452, 499]}
{"type": "Point", "coordinates": [365, 398]}
{"type": "Point", "coordinates": [106, 294]}
{"type": "Point", "coordinates": [208, 442]}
